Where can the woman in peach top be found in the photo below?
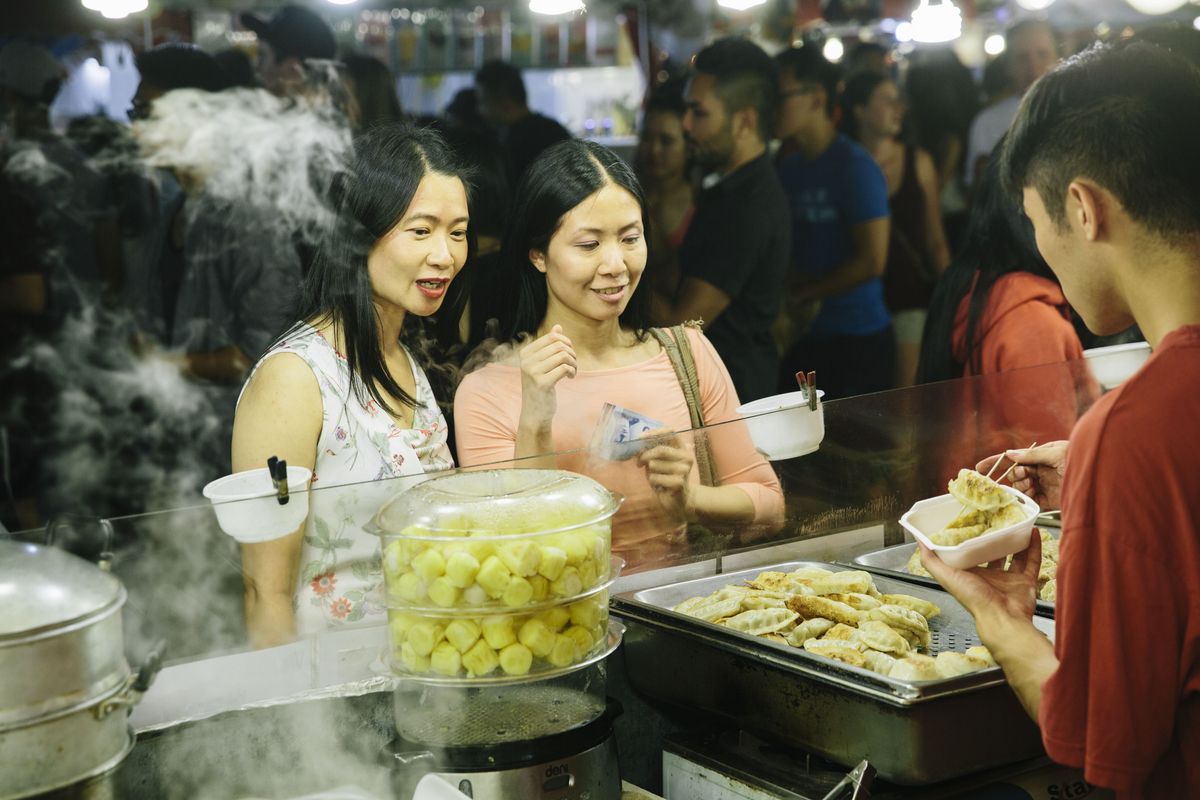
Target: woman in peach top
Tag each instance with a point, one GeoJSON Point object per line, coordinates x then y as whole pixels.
{"type": "Point", "coordinates": [571, 261]}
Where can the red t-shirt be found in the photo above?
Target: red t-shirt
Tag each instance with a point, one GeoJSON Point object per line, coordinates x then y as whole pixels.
{"type": "Point", "coordinates": [1124, 703]}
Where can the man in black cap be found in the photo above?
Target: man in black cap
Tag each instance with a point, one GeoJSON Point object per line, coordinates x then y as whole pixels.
{"type": "Point", "coordinates": [293, 35]}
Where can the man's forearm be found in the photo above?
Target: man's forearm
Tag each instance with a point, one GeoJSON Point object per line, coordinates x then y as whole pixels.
{"type": "Point", "coordinates": [1024, 653]}
{"type": "Point", "coordinates": [845, 277]}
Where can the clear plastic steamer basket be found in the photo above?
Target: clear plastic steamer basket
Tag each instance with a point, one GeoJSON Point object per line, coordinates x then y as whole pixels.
{"type": "Point", "coordinates": [495, 540]}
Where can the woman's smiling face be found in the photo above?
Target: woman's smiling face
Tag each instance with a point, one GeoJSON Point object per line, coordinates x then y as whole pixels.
{"type": "Point", "coordinates": [411, 266]}
{"type": "Point", "coordinates": [597, 255]}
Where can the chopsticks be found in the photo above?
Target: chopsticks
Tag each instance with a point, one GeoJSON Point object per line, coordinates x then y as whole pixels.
{"type": "Point", "coordinates": [808, 383]}
{"type": "Point", "coordinates": [278, 470]}
{"type": "Point", "coordinates": [989, 475]}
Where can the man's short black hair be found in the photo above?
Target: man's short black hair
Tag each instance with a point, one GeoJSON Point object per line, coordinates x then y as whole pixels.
{"type": "Point", "coordinates": [746, 77]}
{"type": "Point", "coordinates": [502, 80]}
{"type": "Point", "coordinates": [181, 66]}
{"type": "Point", "coordinates": [1124, 116]}
{"type": "Point", "coordinates": [809, 65]}
{"type": "Point", "coordinates": [294, 32]}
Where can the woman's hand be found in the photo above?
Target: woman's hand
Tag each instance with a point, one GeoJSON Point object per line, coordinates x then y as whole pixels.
{"type": "Point", "coordinates": [1039, 472]}
{"type": "Point", "coordinates": [544, 362]}
{"type": "Point", "coordinates": [668, 466]}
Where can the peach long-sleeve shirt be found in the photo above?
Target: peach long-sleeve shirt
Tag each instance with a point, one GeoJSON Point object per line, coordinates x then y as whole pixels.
{"type": "Point", "coordinates": [487, 408]}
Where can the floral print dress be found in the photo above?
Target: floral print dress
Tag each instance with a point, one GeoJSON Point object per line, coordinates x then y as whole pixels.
{"type": "Point", "coordinates": [360, 447]}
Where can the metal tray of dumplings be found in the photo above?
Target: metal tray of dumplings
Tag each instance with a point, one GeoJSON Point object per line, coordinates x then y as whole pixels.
{"type": "Point", "coordinates": [912, 732]}
{"type": "Point", "coordinates": [892, 562]}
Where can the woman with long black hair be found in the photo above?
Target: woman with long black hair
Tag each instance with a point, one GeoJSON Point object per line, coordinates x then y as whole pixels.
{"type": "Point", "coordinates": [568, 297]}
{"type": "Point", "coordinates": [339, 392]}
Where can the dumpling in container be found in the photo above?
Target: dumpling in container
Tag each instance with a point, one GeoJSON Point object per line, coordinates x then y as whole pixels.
{"type": "Point", "coordinates": [968, 518]}
{"type": "Point", "coordinates": [914, 641]}
{"type": "Point", "coordinates": [899, 617]}
{"type": "Point", "coordinates": [1049, 592]}
{"type": "Point", "coordinates": [754, 601]}
{"type": "Point", "coordinates": [774, 637]}
{"type": "Point", "coordinates": [810, 607]}
{"type": "Point", "coordinates": [809, 629]}
{"type": "Point", "coordinates": [915, 667]}
{"type": "Point", "coordinates": [810, 573]}
{"type": "Point", "coordinates": [859, 602]}
{"type": "Point", "coordinates": [923, 607]}
{"type": "Point", "coordinates": [836, 649]}
{"type": "Point", "coordinates": [878, 662]}
{"type": "Point", "coordinates": [983, 654]}
{"type": "Point", "coordinates": [1008, 515]}
{"type": "Point", "coordinates": [979, 491]}
{"type": "Point", "coordinates": [949, 537]}
{"type": "Point", "coordinates": [878, 636]}
{"type": "Point", "coordinates": [950, 664]}
{"type": "Point", "coordinates": [712, 610]}
{"type": "Point", "coordinates": [915, 567]}
{"type": "Point", "coordinates": [688, 604]}
{"type": "Point", "coordinates": [760, 621]}
{"type": "Point", "coordinates": [855, 581]}
{"type": "Point", "coordinates": [779, 582]}
{"type": "Point", "coordinates": [846, 634]}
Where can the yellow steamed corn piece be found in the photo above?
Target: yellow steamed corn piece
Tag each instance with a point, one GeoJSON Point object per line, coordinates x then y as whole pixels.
{"type": "Point", "coordinates": [411, 660]}
{"type": "Point", "coordinates": [493, 576]}
{"type": "Point", "coordinates": [445, 659]}
{"type": "Point", "coordinates": [424, 636]}
{"type": "Point", "coordinates": [461, 569]}
{"type": "Point", "coordinates": [498, 631]}
{"type": "Point", "coordinates": [444, 593]}
{"type": "Point", "coordinates": [463, 634]}
{"type": "Point", "coordinates": [537, 637]}
{"type": "Point", "coordinates": [563, 652]}
{"type": "Point", "coordinates": [552, 562]}
{"type": "Point", "coordinates": [410, 587]}
{"type": "Point", "coordinates": [480, 659]}
{"type": "Point", "coordinates": [568, 584]}
{"type": "Point", "coordinates": [429, 565]}
{"type": "Point", "coordinates": [555, 618]}
{"type": "Point", "coordinates": [521, 557]}
{"type": "Point", "coordinates": [516, 659]}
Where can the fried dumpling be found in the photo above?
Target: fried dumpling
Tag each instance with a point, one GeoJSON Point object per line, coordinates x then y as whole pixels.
{"type": "Point", "coordinates": [810, 607]}
{"type": "Point", "coordinates": [903, 619]}
{"type": "Point", "coordinates": [688, 604]}
{"type": "Point", "coordinates": [837, 649]}
{"type": "Point", "coordinates": [878, 662]}
{"type": "Point", "coordinates": [810, 573]}
{"type": "Point", "coordinates": [1007, 515]}
{"type": "Point", "coordinates": [778, 582]}
{"type": "Point", "coordinates": [855, 581]}
{"type": "Point", "coordinates": [979, 491]}
{"type": "Point", "coordinates": [712, 609]}
{"type": "Point", "coordinates": [915, 567]}
{"type": "Point", "coordinates": [1049, 592]}
{"type": "Point", "coordinates": [760, 621]}
{"type": "Point", "coordinates": [950, 664]}
{"type": "Point", "coordinates": [846, 634]}
{"type": "Point", "coordinates": [968, 518]}
{"type": "Point", "coordinates": [859, 602]}
{"type": "Point", "coordinates": [914, 641]}
{"type": "Point", "coordinates": [923, 607]}
{"type": "Point", "coordinates": [774, 637]}
{"type": "Point", "coordinates": [878, 636]}
{"type": "Point", "coordinates": [751, 602]}
{"type": "Point", "coordinates": [809, 629]}
{"type": "Point", "coordinates": [949, 537]}
{"type": "Point", "coordinates": [915, 667]}
{"type": "Point", "coordinates": [983, 654]}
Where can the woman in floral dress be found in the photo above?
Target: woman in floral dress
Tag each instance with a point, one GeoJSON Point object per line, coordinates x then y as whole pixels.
{"type": "Point", "coordinates": [340, 394]}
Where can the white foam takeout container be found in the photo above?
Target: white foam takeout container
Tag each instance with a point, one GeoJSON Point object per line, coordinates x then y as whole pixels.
{"type": "Point", "coordinates": [929, 516]}
{"type": "Point", "coordinates": [782, 426]}
{"type": "Point", "coordinates": [248, 508]}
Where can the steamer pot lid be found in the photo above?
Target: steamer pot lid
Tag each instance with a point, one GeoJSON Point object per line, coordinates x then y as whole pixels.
{"type": "Point", "coordinates": [44, 586]}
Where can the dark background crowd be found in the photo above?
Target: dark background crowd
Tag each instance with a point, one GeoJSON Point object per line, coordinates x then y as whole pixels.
{"type": "Point", "coordinates": [843, 218]}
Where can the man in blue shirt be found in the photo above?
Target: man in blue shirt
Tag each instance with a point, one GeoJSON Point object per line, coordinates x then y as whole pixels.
{"type": "Point", "coordinates": [839, 203]}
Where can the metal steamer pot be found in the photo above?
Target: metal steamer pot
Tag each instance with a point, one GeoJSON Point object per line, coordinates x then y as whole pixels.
{"type": "Point", "coordinates": [65, 686]}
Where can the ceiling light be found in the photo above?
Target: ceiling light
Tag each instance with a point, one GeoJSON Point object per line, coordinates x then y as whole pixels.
{"type": "Point", "coordinates": [1196, 23]}
{"type": "Point", "coordinates": [937, 23]}
{"type": "Point", "coordinates": [834, 49]}
{"type": "Point", "coordinates": [1034, 5]}
{"type": "Point", "coordinates": [994, 45]}
{"type": "Point", "coordinates": [116, 9]}
{"type": "Point", "coordinates": [740, 5]}
{"type": "Point", "coordinates": [556, 6]}
{"type": "Point", "coordinates": [1153, 7]}
{"type": "Point", "coordinates": [341, 2]}
{"type": "Point", "coordinates": [904, 32]}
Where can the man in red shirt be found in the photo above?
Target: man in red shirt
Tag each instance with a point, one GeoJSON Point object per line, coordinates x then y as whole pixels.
{"type": "Point", "coordinates": [1103, 151]}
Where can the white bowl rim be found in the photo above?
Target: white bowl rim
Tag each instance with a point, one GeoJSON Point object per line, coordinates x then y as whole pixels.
{"type": "Point", "coordinates": [299, 483]}
{"type": "Point", "coordinates": [773, 403]}
{"type": "Point", "coordinates": [1023, 499]}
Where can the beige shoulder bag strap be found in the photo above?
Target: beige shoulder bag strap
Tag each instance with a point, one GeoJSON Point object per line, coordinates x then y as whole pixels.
{"type": "Point", "coordinates": [679, 351]}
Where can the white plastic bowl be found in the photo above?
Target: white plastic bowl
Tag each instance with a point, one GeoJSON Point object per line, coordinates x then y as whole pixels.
{"type": "Point", "coordinates": [929, 516]}
{"type": "Point", "coordinates": [782, 426]}
{"type": "Point", "coordinates": [248, 507]}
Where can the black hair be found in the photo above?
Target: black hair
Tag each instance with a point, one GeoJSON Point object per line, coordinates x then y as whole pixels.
{"type": "Point", "coordinates": [561, 178]}
{"type": "Point", "coordinates": [995, 75]}
{"type": "Point", "coordinates": [809, 65]}
{"type": "Point", "coordinates": [181, 66]}
{"type": "Point", "coordinates": [237, 67]}
{"type": "Point", "coordinates": [668, 97]}
{"type": "Point", "coordinates": [999, 240]}
{"type": "Point", "coordinates": [863, 51]}
{"type": "Point", "coordinates": [502, 80]}
{"type": "Point", "coordinates": [1124, 116]}
{"type": "Point", "coordinates": [858, 91]}
{"type": "Point", "coordinates": [463, 110]}
{"type": "Point", "coordinates": [746, 77]}
{"type": "Point", "coordinates": [943, 99]}
{"type": "Point", "coordinates": [375, 90]}
{"type": "Point", "coordinates": [1183, 40]}
{"type": "Point", "coordinates": [385, 168]}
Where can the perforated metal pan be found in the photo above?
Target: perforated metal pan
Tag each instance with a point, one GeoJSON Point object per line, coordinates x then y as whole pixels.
{"type": "Point", "coordinates": [912, 732]}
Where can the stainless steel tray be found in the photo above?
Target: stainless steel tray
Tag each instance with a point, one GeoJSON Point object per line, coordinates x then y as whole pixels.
{"type": "Point", "coordinates": [892, 562]}
{"type": "Point", "coordinates": [913, 733]}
